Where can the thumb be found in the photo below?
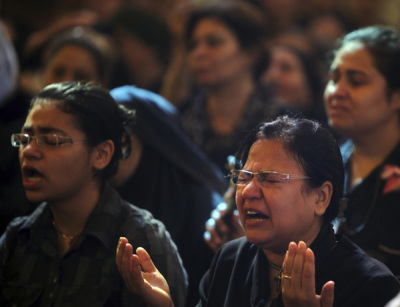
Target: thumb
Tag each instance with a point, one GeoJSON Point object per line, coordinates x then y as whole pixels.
{"type": "Point", "coordinates": [145, 261]}
{"type": "Point", "coordinates": [327, 294]}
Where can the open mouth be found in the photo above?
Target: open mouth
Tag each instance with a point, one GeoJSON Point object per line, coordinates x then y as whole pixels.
{"type": "Point", "coordinates": [31, 174]}
{"type": "Point", "coordinates": [253, 215]}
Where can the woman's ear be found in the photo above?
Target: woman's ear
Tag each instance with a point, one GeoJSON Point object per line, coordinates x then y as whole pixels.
{"type": "Point", "coordinates": [324, 194]}
{"type": "Point", "coordinates": [102, 154]}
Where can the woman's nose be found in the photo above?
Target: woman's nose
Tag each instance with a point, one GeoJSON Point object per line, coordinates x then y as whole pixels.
{"type": "Point", "coordinates": [252, 189]}
{"type": "Point", "coordinates": [31, 150]}
{"type": "Point", "coordinates": [336, 90]}
{"type": "Point", "coordinates": [200, 50]}
{"type": "Point", "coordinates": [272, 74]}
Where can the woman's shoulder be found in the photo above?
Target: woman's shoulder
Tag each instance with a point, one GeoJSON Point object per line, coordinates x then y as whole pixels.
{"type": "Point", "coordinates": [360, 280]}
{"type": "Point", "coordinates": [356, 259]}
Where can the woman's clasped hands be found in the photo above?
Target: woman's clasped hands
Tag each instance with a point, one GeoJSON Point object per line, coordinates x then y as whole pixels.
{"type": "Point", "coordinates": [298, 279]}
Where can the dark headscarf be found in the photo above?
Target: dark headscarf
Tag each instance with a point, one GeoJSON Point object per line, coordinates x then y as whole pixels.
{"type": "Point", "coordinates": [174, 180]}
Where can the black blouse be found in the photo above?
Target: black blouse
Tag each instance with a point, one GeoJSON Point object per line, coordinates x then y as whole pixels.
{"type": "Point", "coordinates": [238, 275]}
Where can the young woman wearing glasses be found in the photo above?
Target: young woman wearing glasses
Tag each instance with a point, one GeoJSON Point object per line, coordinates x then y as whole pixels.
{"type": "Point", "coordinates": [63, 253]}
{"type": "Point", "coordinates": [288, 191]}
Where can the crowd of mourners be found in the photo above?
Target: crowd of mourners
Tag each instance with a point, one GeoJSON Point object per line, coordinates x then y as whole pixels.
{"type": "Point", "coordinates": [199, 153]}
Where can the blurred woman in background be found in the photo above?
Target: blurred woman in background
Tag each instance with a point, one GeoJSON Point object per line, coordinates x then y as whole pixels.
{"type": "Point", "coordinates": [297, 79]}
{"type": "Point", "coordinates": [362, 99]}
{"type": "Point", "coordinates": [227, 54]}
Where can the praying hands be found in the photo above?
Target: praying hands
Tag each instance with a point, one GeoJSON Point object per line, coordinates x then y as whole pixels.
{"type": "Point", "coordinates": [141, 276]}
{"type": "Point", "coordinates": [298, 279]}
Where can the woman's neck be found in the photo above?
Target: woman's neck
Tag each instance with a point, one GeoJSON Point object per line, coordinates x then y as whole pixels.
{"type": "Point", "coordinates": [275, 263]}
{"type": "Point", "coordinates": [227, 104]}
{"type": "Point", "coordinates": [70, 215]}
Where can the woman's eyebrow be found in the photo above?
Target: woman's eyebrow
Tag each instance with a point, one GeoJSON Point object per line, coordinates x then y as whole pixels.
{"type": "Point", "coordinates": [26, 129]}
{"type": "Point", "coordinates": [353, 72]}
{"type": "Point", "coordinates": [42, 130]}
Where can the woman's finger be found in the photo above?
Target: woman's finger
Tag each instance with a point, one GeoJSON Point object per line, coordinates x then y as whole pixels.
{"type": "Point", "coordinates": [145, 261]}
{"type": "Point", "coordinates": [120, 252]}
{"type": "Point", "coordinates": [327, 294]}
{"type": "Point", "coordinates": [308, 276]}
{"type": "Point", "coordinates": [288, 266]}
{"type": "Point", "coordinates": [127, 267]}
{"type": "Point", "coordinates": [298, 267]}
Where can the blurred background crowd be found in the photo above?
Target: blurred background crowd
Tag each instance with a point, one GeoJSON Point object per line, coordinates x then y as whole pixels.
{"type": "Point", "coordinates": [222, 68]}
{"type": "Point", "coordinates": [144, 43]}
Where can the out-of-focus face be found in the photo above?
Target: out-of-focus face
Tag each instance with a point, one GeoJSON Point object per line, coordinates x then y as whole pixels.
{"type": "Point", "coordinates": [59, 173]}
{"type": "Point", "coordinates": [356, 95]}
{"type": "Point", "coordinates": [274, 216]}
{"type": "Point", "coordinates": [135, 52]}
{"type": "Point", "coordinates": [71, 63]}
{"type": "Point", "coordinates": [286, 76]}
{"type": "Point", "coordinates": [215, 55]}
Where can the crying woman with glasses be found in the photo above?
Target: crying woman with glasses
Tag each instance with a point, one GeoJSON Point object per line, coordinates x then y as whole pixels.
{"type": "Point", "coordinates": [289, 187]}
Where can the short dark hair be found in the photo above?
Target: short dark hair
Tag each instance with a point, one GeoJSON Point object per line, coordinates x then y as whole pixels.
{"type": "Point", "coordinates": [244, 20]}
{"type": "Point", "coordinates": [95, 111]}
{"type": "Point", "coordinates": [100, 47]}
{"type": "Point", "coordinates": [312, 146]}
{"type": "Point", "coordinates": [383, 43]}
{"type": "Point", "coordinates": [146, 26]}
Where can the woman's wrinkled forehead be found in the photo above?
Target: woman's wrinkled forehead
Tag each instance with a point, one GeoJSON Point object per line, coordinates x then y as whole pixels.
{"type": "Point", "coordinates": [286, 149]}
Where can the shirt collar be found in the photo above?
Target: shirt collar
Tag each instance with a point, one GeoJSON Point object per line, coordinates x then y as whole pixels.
{"type": "Point", "coordinates": [102, 223]}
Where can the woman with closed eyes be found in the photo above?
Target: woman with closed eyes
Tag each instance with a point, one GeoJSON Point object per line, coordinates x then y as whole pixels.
{"type": "Point", "coordinates": [63, 253]}
{"type": "Point", "coordinates": [362, 100]}
{"type": "Point", "coordinates": [289, 187]}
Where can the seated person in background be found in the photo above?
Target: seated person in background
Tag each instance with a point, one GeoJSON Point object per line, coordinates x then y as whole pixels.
{"type": "Point", "coordinates": [362, 100]}
{"type": "Point", "coordinates": [14, 104]}
{"type": "Point", "coordinates": [166, 174]}
{"type": "Point", "coordinates": [144, 41]}
{"type": "Point", "coordinates": [227, 54]}
{"type": "Point", "coordinates": [288, 193]}
{"type": "Point", "coordinates": [79, 54]}
{"type": "Point", "coordinates": [76, 54]}
{"type": "Point", "coordinates": [297, 80]}
{"type": "Point", "coordinates": [64, 252]}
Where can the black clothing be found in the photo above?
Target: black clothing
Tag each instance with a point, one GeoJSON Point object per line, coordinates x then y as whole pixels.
{"type": "Point", "coordinates": [372, 216]}
{"type": "Point", "coordinates": [197, 123]}
{"type": "Point", "coordinates": [32, 273]}
{"type": "Point", "coordinates": [13, 201]}
{"type": "Point", "coordinates": [174, 180]}
{"type": "Point", "coordinates": [239, 274]}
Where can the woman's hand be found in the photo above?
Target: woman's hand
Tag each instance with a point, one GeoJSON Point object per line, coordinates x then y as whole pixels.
{"type": "Point", "coordinates": [141, 276]}
{"type": "Point", "coordinates": [223, 226]}
{"type": "Point", "coordinates": [298, 279]}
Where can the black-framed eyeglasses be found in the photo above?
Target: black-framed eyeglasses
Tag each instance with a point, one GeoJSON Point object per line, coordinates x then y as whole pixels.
{"type": "Point", "coordinates": [266, 178]}
{"type": "Point", "coordinates": [42, 140]}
